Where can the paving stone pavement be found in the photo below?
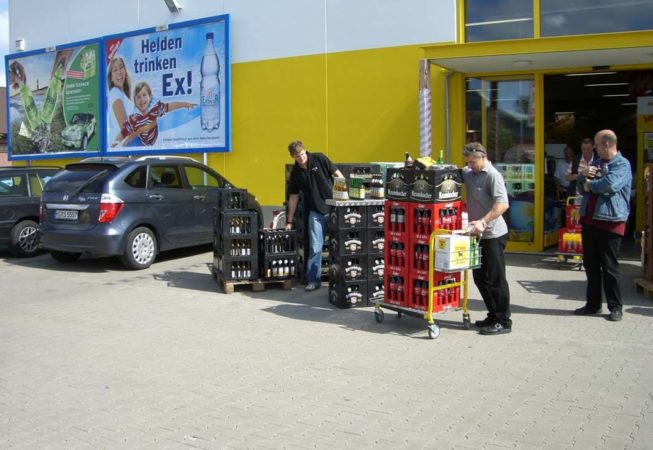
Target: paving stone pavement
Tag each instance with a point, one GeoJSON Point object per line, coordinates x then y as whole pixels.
{"type": "Point", "coordinates": [93, 356]}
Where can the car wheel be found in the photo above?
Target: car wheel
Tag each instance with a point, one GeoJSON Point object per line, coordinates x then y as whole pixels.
{"type": "Point", "coordinates": [65, 257]}
{"type": "Point", "coordinates": [140, 249]}
{"type": "Point", "coordinates": [84, 142]}
{"type": "Point", "coordinates": [24, 239]}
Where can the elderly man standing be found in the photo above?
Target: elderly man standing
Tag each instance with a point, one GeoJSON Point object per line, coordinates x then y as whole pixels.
{"type": "Point", "coordinates": [487, 200]}
{"type": "Point", "coordinates": [605, 186]}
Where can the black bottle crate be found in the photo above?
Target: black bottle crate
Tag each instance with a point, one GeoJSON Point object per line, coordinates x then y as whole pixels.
{"type": "Point", "coordinates": [375, 241]}
{"type": "Point", "coordinates": [375, 267]}
{"type": "Point", "coordinates": [235, 223]}
{"type": "Point", "coordinates": [375, 216]}
{"type": "Point", "coordinates": [349, 242]}
{"type": "Point", "coordinates": [278, 241]}
{"type": "Point", "coordinates": [280, 266]}
{"type": "Point", "coordinates": [229, 245]}
{"type": "Point", "coordinates": [375, 292]}
{"type": "Point", "coordinates": [344, 217]}
{"type": "Point", "coordinates": [230, 199]}
{"type": "Point", "coordinates": [348, 268]}
{"type": "Point", "coordinates": [348, 294]}
{"type": "Point", "coordinates": [236, 268]}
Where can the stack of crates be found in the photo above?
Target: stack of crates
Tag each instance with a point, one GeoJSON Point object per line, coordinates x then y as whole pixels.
{"type": "Point", "coordinates": [569, 238]}
{"type": "Point", "coordinates": [417, 203]}
{"type": "Point", "coordinates": [235, 237]}
{"type": "Point", "coordinates": [278, 250]}
{"type": "Point", "coordinates": [355, 253]}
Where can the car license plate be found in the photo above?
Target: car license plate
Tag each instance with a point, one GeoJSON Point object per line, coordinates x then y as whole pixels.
{"type": "Point", "coordinates": [65, 214]}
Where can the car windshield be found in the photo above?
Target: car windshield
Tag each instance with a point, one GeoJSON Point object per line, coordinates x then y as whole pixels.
{"type": "Point", "coordinates": [80, 178]}
{"type": "Point", "coordinates": [77, 120]}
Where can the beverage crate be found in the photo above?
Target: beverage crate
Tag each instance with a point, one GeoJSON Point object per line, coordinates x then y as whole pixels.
{"type": "Point", "coordinates": [236, 268]}
{"type": "Point", "coordinates": [572, 217]}
{"type": "Point", "coordinates": [375, 293]}
{"type": "Point", "coordinates": [398, 182]}
{"type": "Point", "coordinates": [279, 266]}
{"type": "Point", "coordinates": [348, 294]}
{"type": "Point", "coordinates": [235, 223]}
{"type": "Point", "coordinates": [441, 183]}
{"type": "Point", "coordinates": [277, 241]}
{"type": "Point", "coordinates": [375, 216]}
{"type": "Point", "coordinates": [570, 241]}
{"type": "Point", "coordinates": [348, 242]}
{"type": "Point", "coordinates": [395, 287]}
{"type": "Point", "coordinates": [396, 254]}
{"type": "Point", "coordinates": [343, 217]}
{"type": "Point", "coordinates": [397, 218]}
{"type": "Point", "coordinates": [375, 267]}
{"type": "Point", "coordinates": [456, 252]}
{"type": "Point", "coordinates": [232, 199]}
{"type": "Point", "coordinates": [348, 268]}
{"type": "Point", "coordinates": [443, 299]}
{"type": "Point", "coordinates": [375, 241]}
{"type": "Point", "coordinates": [234, 246]}
{"type": "Point", "coordinates": [424, 218]}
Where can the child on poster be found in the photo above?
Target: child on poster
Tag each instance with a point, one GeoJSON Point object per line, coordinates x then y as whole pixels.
{"type": "Point", "coordinates": [143, 122]}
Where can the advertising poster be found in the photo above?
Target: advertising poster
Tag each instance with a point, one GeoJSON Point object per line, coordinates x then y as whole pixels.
{"type": "Point", "coordinates": [167, 91]}
{"type": "Point", "coordinates": [54, 102]}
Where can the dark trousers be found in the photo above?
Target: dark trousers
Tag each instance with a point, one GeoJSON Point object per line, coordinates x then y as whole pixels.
{"type": "Point", "coordinates": [600, 252]}
{"type": "Point", "coordinates": [490, 279]}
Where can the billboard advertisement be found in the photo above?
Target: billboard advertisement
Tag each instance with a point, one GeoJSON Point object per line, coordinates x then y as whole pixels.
{"type": "Point", "coordinates": [54, 102]}
{"type": "Point", "coordinates": [167, 90]}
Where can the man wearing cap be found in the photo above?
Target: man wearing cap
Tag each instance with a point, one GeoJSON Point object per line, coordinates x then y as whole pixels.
{"type": "Point", "coordinates": [487, 200]}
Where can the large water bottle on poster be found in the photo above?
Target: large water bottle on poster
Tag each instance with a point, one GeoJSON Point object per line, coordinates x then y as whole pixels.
{"type": "Point", "coordinates": [210, 87]}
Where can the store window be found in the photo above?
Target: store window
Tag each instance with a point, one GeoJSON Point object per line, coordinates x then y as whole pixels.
{"type": "Point", "coordinates": [500, 114]}
{"type": "Point", "coordinates": [495, 20]}
{"type": "Point", "coordinates": [564, 18]}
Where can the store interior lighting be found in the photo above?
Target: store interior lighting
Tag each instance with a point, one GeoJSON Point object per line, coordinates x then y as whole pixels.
{"type": "Point", "coordinates": [173, 5]}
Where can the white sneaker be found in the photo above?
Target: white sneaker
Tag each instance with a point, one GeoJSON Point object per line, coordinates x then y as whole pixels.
{"type": "Point", "coordinates": [312, 286]}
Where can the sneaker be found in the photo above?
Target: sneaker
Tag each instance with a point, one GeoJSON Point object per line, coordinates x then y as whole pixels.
{"type": "Point", "coordinates": [496, 328]}
{"type": "Point", "coordinates": [312, 286]}
{"type": "Point", "coordinates": [584, 311]}
{"type": "Point", "coordinates": [616, 315]}
{"type": "Point", "coordinates": [485, 322]}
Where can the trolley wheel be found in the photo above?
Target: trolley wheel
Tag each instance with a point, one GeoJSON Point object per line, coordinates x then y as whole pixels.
{"type": "Point", "coordinates": [379, 315]}
{"type": "Point", "coordinates": [434, 331]}
{"type": "Point", "coordinates": [467, 323]}
{"type": "Point", "coordinates": [398, 314]}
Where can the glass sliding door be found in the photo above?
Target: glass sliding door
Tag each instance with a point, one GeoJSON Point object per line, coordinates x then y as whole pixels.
{"type": "Point", "coordinates": [501, 114]}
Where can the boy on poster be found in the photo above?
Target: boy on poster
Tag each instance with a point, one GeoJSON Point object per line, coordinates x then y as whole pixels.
{"type": "Point", "coordinates": [143, 121]}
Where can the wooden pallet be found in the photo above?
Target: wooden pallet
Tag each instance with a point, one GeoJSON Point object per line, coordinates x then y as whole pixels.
{"type": "Point", "coordinates": [644, 287]}
{"type": "Point", "coordinates": [228, 286]}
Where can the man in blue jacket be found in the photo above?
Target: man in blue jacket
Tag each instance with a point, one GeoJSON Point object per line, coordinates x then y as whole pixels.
{"type": "Point", "coordinates": [605, 186]}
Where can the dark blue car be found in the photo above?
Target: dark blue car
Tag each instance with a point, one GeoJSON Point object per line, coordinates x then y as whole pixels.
{"type": "Point", "coordinates": [130, 208]}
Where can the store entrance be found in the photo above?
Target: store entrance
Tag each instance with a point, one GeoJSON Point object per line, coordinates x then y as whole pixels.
{"type": "Point", "coordinates": [577, 105]}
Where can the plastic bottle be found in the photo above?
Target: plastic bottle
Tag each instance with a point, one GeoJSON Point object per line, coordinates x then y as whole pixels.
{"type": "Point", "coordinates": [210, 87]}
{"type": "Point", "coordinates": [409, 161]}
{"type": "Point", "coordinates": [51, 97]}
{"type": "Point", "coordinates": [440, 157]}
{"type": "Point", "coordinates": [31, 111]}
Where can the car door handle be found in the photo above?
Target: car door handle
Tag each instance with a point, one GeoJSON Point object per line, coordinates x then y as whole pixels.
{"type": "Point", "coordinates": [156, 196]}
{"type": "Point", "coordinates": [199, 197]}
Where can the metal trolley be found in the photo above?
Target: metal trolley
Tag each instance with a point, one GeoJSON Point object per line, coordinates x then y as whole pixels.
{"type": "Point", "coordinates": [471, 261]}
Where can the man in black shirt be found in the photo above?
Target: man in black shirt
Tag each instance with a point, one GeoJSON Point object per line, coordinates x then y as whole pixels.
{"type": "Point", "coordinates": [311, 175]}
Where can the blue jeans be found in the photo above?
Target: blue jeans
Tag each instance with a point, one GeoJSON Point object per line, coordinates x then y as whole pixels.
{"type": "Point", "coordinates": [317, 224]}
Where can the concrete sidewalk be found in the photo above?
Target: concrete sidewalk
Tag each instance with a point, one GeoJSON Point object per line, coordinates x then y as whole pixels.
{"type": "Point", "coordinates": [93, 356]}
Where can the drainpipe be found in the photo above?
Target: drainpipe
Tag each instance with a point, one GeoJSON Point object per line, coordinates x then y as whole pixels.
{"type": "Point", "coordinates": [446, 116]}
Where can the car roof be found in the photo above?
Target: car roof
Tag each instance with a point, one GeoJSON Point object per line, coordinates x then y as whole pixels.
{"type": "Point", "coordinates": [32, 168]}
{"type": "Point", "coordinates": [120, 161]}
